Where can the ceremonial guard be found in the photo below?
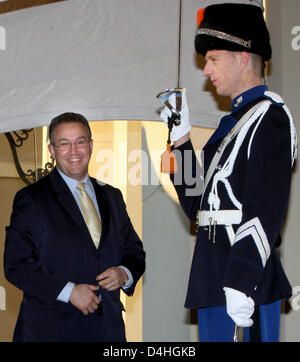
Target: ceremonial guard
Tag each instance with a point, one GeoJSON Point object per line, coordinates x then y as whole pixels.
{"type": "Point", "coordinates": [236, 277]}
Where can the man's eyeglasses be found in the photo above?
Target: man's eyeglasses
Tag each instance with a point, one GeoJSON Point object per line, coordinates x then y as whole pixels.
{"type": "Point", "coordinates": [66, 146]}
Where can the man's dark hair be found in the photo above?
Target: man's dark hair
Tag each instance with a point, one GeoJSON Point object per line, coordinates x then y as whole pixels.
{"type": "Point", "coordinates": [68, 117]}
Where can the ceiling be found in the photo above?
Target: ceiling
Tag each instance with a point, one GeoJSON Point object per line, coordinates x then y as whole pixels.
{"type": "Point", "coordinates": [13, 5]}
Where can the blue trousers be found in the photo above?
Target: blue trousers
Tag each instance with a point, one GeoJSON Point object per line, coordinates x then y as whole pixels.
{"type": "Point", "coordinates": [215, 325]}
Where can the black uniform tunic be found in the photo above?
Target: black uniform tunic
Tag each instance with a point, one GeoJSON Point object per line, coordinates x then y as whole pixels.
{"type": "Point", "coordinates": [260, 181]}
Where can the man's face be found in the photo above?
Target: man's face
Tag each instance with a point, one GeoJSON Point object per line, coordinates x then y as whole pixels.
{"type": "Point", "coordinates": [223, 68]}
{"type": "Point", "coordinates": [72, 159]}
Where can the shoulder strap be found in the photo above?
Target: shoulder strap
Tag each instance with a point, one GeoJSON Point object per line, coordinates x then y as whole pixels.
{"type": "Point", "coordinates": [226, 142]}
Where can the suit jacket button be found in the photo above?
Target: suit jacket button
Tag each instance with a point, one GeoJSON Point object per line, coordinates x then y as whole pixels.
{"type": "Point", "coordinates": [97, 256]}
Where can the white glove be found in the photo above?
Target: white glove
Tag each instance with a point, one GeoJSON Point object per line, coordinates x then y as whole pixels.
{"type": "Point", "coordinates": [185, 125]}
{"type": "Point", "coordinates": [239, 307]}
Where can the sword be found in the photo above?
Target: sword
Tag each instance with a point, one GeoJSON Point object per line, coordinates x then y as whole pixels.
{"type": "Point", "coordinates": [238, 334]}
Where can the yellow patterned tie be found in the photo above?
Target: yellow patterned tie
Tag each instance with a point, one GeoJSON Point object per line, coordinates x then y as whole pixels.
{"type": "Point", "coordinates": [90, 214]}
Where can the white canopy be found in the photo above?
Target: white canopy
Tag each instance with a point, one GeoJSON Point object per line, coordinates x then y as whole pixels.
{"type": "Point", "coordinates": [104, 59]}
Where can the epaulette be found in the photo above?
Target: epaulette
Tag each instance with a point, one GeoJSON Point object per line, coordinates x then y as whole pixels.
{"type": "Point", "coordinates": [277, 99]}
{"type": "Point", "coordinates": [274, 98]}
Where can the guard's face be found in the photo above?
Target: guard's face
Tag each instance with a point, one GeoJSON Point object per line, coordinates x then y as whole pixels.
{"type": "Point", "coordinates": [223, 69]}
{"type": "Point", "coordinates": [72, 149]}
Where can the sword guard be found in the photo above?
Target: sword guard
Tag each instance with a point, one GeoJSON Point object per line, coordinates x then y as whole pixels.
{"type": "Point", "coordinates": [175, 112]}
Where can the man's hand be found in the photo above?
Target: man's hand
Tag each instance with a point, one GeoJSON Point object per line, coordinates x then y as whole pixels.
{"type": "Point", "coordinates": [112, 278]}
{"type": "Point", "coordinates": [84, 298]}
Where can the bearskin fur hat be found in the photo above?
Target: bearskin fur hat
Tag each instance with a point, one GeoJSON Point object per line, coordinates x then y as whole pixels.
{"type": "Point", "coordinates": [234, 27]}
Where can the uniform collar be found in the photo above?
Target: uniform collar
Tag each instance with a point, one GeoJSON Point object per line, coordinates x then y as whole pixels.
{"type": "Point", "coordinates": [248, 96]}
{"type": "Point", "coordinates": [229, 121]}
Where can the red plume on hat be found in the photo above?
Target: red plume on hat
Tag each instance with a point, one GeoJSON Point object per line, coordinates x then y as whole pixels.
{"type": "Point", "coordinates": [200, 16]}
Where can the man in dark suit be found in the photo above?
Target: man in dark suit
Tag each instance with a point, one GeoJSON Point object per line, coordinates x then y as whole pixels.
{"type": "Point", "coordinates": [70, 273]}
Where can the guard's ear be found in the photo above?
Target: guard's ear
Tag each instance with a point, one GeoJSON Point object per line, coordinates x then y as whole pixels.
{"type": "Point", "coordinates": [244, 59]}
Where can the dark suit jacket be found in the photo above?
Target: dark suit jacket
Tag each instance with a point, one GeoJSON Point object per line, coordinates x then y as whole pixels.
{"type": "Point", "coordinates": [48, 245]}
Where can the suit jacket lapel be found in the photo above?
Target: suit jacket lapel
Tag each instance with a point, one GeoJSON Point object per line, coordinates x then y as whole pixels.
{"type": "Point", "coordinates": [67, 201]}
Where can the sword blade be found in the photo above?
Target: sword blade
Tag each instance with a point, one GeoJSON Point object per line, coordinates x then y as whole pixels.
{"type": "Point", "coordinates": [238, 334]}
